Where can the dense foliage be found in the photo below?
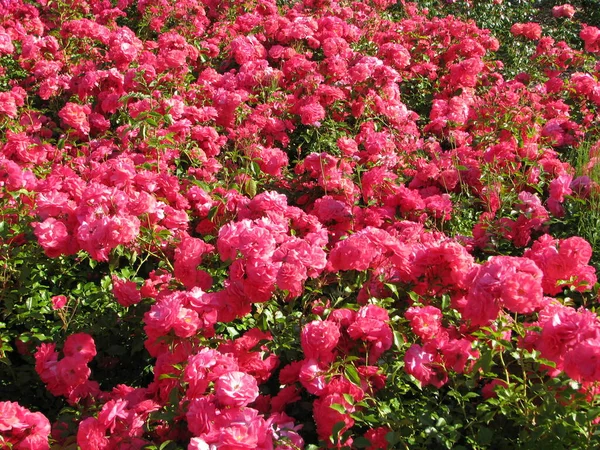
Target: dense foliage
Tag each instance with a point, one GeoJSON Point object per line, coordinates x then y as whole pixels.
{"type": "Point", "coordinates": [306, 224]}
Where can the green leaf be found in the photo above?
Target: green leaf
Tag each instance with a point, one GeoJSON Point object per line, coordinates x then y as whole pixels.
{"type": "Point", "coordinates": [164, 445]}
{"type": "Point", "coordinates": [339, 408]}
{"type": "Point", "coordinates": [348, 398]}
{"type": "Point", "coordinates": [213, 212]}
{"type": "Point", "coordinates": [414, 296]}
{"type": "Point", "coordinates": [251, 188]}
{"type": "Point", "coordinates": [352, 375]}
{"type": "Point", "coordinates": [398, 340]}
{"type": "Point", "coordinates": [484, 436]}
{"type": "Point", "coordinates": [393, 438]}
{"type": "Point", "coordinates": [361, 442]}
{"type": "Point", "coordinates": [337, 428]}
{"type": "Point", "coordinates": [392, 287]}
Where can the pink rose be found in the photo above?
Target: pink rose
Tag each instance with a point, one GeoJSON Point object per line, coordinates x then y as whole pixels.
{"type": "Point", "coordinates": [312, 114]}
{"type": "Point", "coordinates": [23, 429]}
{"type": "Point", "coordinates": [326, 417]}
{"type": "Point", "coordinates": [582, 362]}
{"type": "Point", "coordinates": [565, 10]}
{"type": "Point", "coordinates": [7, 104]}
{"type": "Point", "coordinates": [425, 322]}
{"type": "Point", "coordinates": [312, 377]}
{"type": "Point", "coordinates": [80, 346]}
{"type": "Point", "coordinates": [319, 339]}
{"type": "Point", "coordinates": [530, 30]}
{"type": "Point", "coordinates": [76, 116]}
{"type": "Point", "coordinates": [236, 389]}
{"type": "Point", "coordinates": [91, 435]}
{"type": "Point", "coordinates": [125, 292]}
{"type": "Point", "coordinates": [59, 302]}
{"type": "Point", "coordinates": [187, 323]}
{"type": "Point", "coordinates": [53, 235]}
{"type": "Point", "coordinates": [591, 38]}
{"type": "Point", "coordinates": [201, 415]}
{"type": "Point", "coordinates": [6, 45]}
{"type": "Point", "coordinates": [425, 366]}
{"type": "Point", "coordinates": [372, 326]}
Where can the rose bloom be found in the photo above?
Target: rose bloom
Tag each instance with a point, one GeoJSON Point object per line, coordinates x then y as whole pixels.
{"type": "Point", "coordinates": [240, 428]}
{"type": "Point", "coordinates": [125, 292]}
{"type": "Point", "coordinates": [76, 116]}
{"type": "Point", "coordinates": [424, 366]}
{"type": "Point", "coordinates": [312, 377]}
{"type": "Point", "coordinates": [23, 429]}
{"type": "Point", "coordinates": [54, 237]}
{"type": "Point", "coordinates": [80, 346]}
{"type": "Point", "coordinates": [236, 389]}
{"type": "Point", "coordinates": [529, 30]}
{"type": "Point", "coordinates": [582, 362]}
{"type": "Point", "coordinates": [312, 114]}
{"type": "Point", "coordinates": [326, 417]}
{"type": "Point", "coordinates": [201, 415]}
{"type": "Point", "coordinates": [59, 302]}
{"type": "Point", "coordinates": [198, 444]}
{"type": "Point", "coordinates": [565, 10]}
{"type": "Point", "coordinates": [425, 322]}
{"type": "Point", "coordinates": [91, 435]}
{"type": "Point", "coordinates": [319, 339]}
{"type": "Point", "coordinates": [376, 437]}
{"type": "Point", "coordinates": [7, 103]}
{"type": "Point", "coordinates": [591, 38]}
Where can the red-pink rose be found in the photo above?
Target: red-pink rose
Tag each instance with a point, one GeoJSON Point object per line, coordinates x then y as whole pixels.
{"type": "Point", "coordinates": [319, 338]}
{"type": "Point", "coordinates": [425, 322]}
{"type": "Point", "coordinates": [53, 235]}
{"type": "Point", "coordinates": [23, 429]}
{"type": "Point", "coordinates": [326, 417]}
{"type": "Point", "coordinates": [582, 362]}
{"type": "Point", "coordinates": [201, 415]}
{"type": "Point", "coordinates": [126, 292]}
{"type": "Point", "coordinates": [80, 346]}
{"type": "Point", "coordinates": [591, 38]}
{"type": "Point", "coordinates": [59, 302]}
{"type": "Point", "coordinates": [530, 30]}
{"type": "Point", "coordinates": [425, 366]}
{"type": "Point", "coordinates": [91, 435]}
{"type": "Point", "coordinates": [6, 45]}
{"type": "Point", "coordinates": [236, 389]}
{"type": "Point", "coordinates": [7, 104]}
{"type": "Point", "coordinates": [565, 10]}
{"type": "Point", "coordinates": [312, 114]}
{"type": "Point", "coordinates": [76, 116]}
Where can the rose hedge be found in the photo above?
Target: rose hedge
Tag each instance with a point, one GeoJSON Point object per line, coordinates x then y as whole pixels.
{"type": "Point", "coordinates": [312, 224]}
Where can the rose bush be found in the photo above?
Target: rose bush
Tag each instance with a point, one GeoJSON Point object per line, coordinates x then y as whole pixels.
{"type": "Point", "coordinates": [299, 224]}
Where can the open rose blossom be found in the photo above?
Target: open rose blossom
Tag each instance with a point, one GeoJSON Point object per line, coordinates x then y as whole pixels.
{"type": "Point", "coordinates": [504, 281]}
{"type": "Point", "coordinates": [591, 38]}
{"type": "Point", "coordinates": [23, 429]}
{"type": "Point", "coordinates": [319, 339]}
{"type": "Point", "coordinates": [59, 302]}
{"type": "Point", "coordinates": [425, 365]}
{"type": "Point", "coordinates": [125, 292]}
{"type": "Point", "coordinates": [565, 10]}
{"type": "Point", "coordinates": [76, 116]}
{"type": "Point", "coordinates": [529, 30]}
{"type": "Point", "coordinates": [236, 389]}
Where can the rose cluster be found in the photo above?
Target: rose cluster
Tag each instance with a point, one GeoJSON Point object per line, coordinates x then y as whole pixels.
{"type": "Point", "coordinates": [287, 182]}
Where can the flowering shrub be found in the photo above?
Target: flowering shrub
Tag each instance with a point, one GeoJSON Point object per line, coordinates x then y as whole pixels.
{"type": "Point", "coordinates": [305, 224]}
